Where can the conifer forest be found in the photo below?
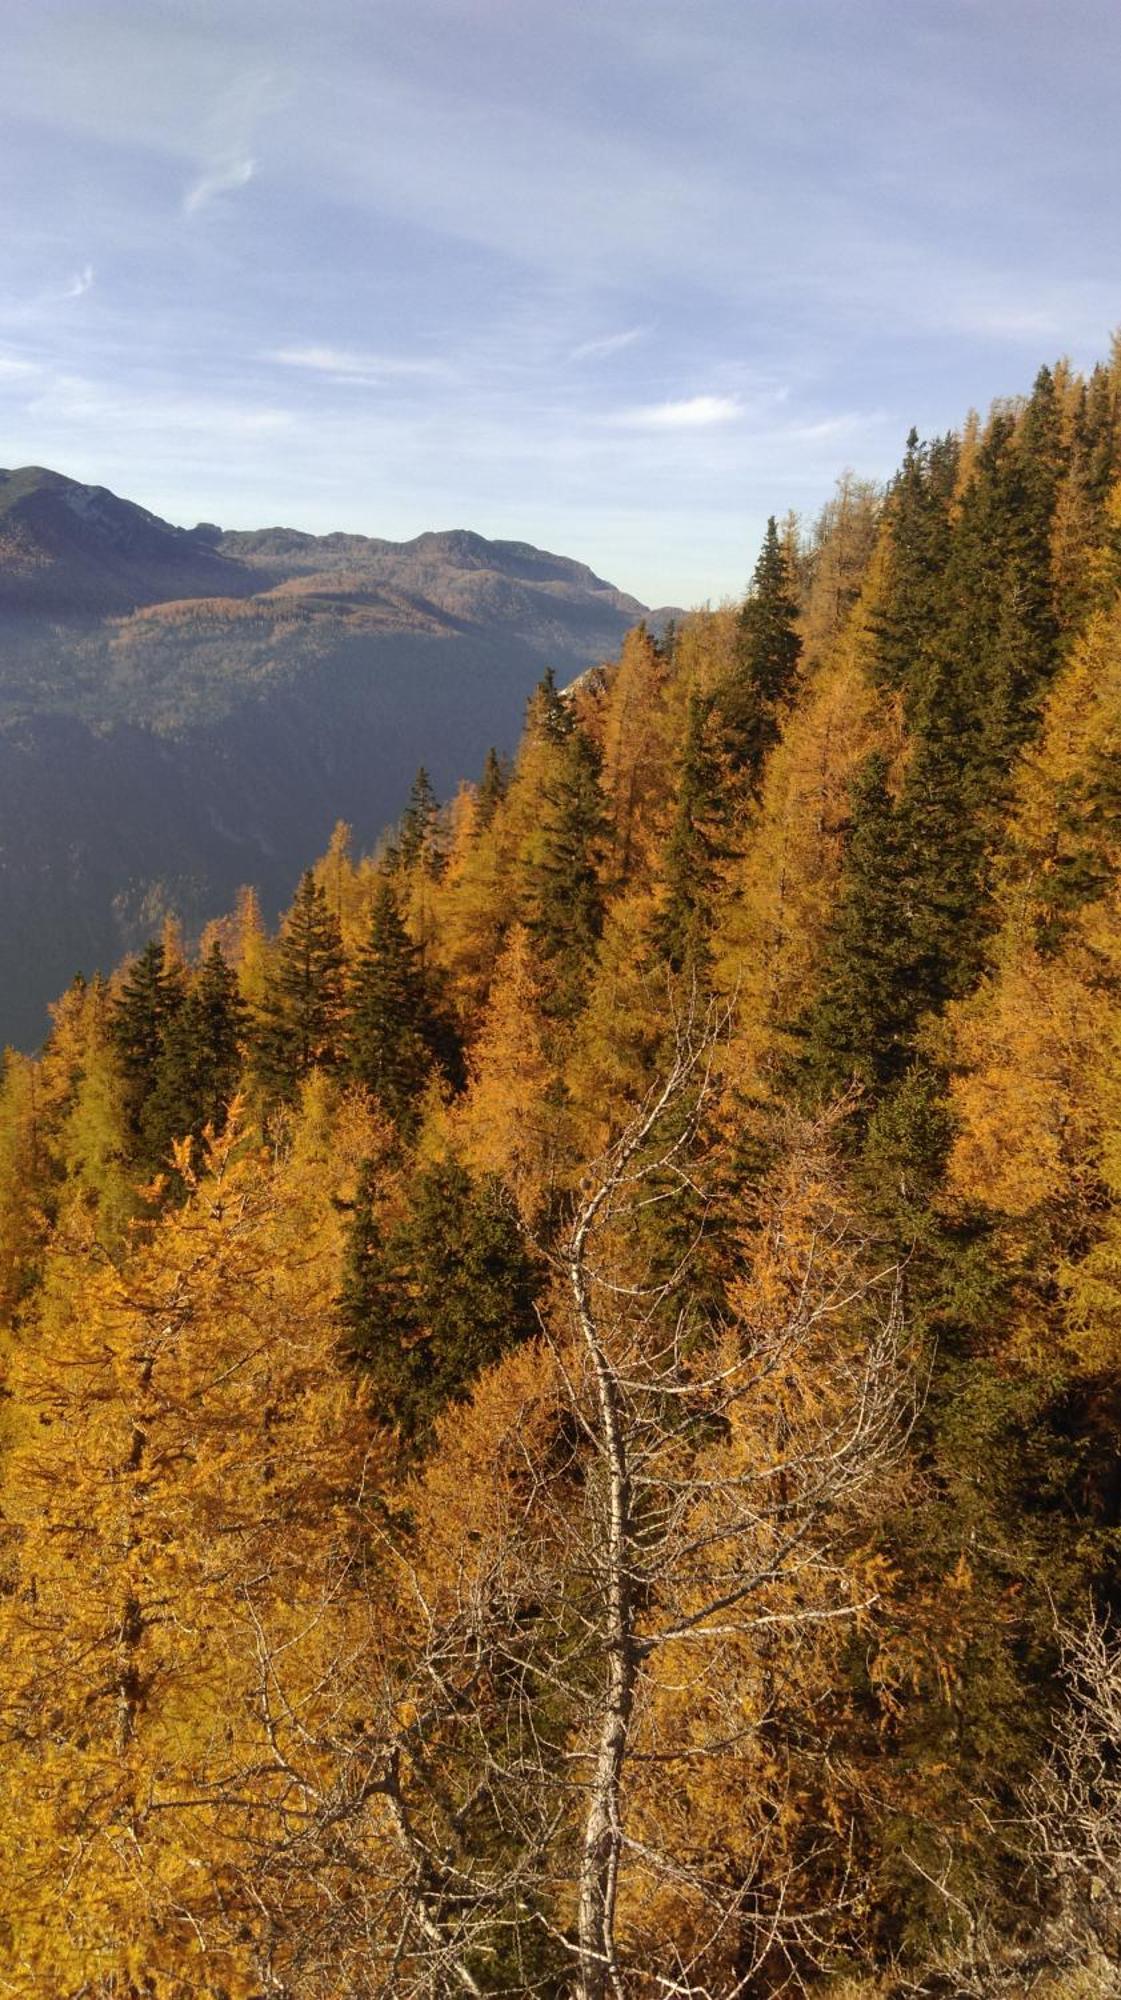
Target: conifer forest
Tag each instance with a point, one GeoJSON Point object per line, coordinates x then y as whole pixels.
{"type": "Point", "coordinates": [560, 1411]}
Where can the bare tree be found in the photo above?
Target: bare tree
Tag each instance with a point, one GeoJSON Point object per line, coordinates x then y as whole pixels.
{"type": "Point", "coordinates": [1074, 1808]}
{"type": "Point", "coordinates": [726, 1473]}
{"type": "Point", "coordinates": [1066, 1839]}
{"type": "Point", "coordinates": [672, 1507]}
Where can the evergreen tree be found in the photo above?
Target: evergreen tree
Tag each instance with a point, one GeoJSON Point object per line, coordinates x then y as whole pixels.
{"type": "Point", "coordinates": [197, 1063]}
{"type": "Point", "coordinates": [768, 650]}
{"type": "Point", "coordinates": [861, 1024]}
{"type": "Point", "coordinates": [145, 1020]}
{"type": "Point", "coordinates": [911, 608]}
{"type": "Point", "coordinates": [220, 1019]}
{"type": "Point", "coordinates": [562, 888]}
{"type": "Point", "coordinates": [549, 715]}
{"type": "Point", "coordinates": [693, 850]}
{"type": "Point", "coordinates": [492, 789]}
{"type": "Point", "coordinates": [436, 1297]}
{"type": "Point", "coordinates": [299, 1026]}
{"type": "Point", "coordinates": [390, 1036]}
{"type": "Point", "coordinates": [417, 842]}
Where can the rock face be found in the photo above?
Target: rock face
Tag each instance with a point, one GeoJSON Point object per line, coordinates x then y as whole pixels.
{"type": "Point", "coordinates": [185, 710]}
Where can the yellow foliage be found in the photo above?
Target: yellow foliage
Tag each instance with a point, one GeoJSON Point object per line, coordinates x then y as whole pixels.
{"type": "Point", "coordinates": [781, 894]}
{"type": "Point", "coordinates": [183, 1553]}
{"type": "Point", "coordinates": [513, 1121]}
{"type": "Point", "coordinates": [1037, 1050]}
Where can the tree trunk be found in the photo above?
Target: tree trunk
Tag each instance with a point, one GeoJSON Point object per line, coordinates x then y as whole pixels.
{"type": "Point", "coordinates": [602, 1838]}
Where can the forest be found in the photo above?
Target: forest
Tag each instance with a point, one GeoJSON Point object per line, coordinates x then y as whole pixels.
{"type": "Point", "coordinates": [559, 1430]}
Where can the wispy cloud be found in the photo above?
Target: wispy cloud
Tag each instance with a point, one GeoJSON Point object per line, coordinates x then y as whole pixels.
{"type": "Point", "coordinates": [694, 413]}
{"type": "Point", "coordinates": [610, 343]}
{"type": "Point", "coordinates": [13, 367]}
{"type": "Point", "coordinates": [80, 283]}
{"type": "Point", "coordinates": [344, 364]}
{"type": "Point", "coordinates": [221, 177]}
{"type": "Point", "coordinates": [66, 398]}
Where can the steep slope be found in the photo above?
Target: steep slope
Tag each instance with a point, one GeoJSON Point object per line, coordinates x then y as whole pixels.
{"type": "Point", "coordinates": [182, 711]}
{"type": "Point", "coordinates": [70, 550]}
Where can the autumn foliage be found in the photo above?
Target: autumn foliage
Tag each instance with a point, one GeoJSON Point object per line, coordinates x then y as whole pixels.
{"type": "Point", "coordinates": [560, 1412]}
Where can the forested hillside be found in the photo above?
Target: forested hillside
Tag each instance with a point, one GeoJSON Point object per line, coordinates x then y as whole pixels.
{"type": "Point", "coordinates": [183, 710]}
{"type": "Point", "coordinates": [561, 1411]}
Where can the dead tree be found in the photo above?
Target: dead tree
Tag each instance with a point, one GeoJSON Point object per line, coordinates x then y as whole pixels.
{"type": "Point", "coordinates": [724, 1481]}
{"type": "Point", "coordinates": [671, 1498]}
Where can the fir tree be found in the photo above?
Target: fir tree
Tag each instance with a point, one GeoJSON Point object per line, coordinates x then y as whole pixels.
{"type": "Point", "coordinates": [299, 1027]}
{"type": "Point", "coordinates": [862, 1021]}
{"type": "Point", "coordinates": [693, 849]}
{"type": "Point", "coordinates": [768, 650]}
{"type": "Point", "coordinates": [144, 1022]}
{"type": "Point", "coordinates": [563, 892]}
{"type": "Point", "coordinates": [435, 1298]}
{"type": "Point", "coordinates": [390, 1034]}
{"type": "Point", "coordinates": [912, 606]}
{"type": "Point", "coordinates": [417, 842]}
{"type": "Point", "coordinates": [492, 789]}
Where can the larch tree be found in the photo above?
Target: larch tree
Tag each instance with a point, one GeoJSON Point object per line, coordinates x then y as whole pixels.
{"type": "Point", "coordinates": [187, 1597]}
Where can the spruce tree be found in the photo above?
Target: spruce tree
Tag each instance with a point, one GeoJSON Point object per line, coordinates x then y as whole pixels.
{"type": "Point", "coordinates": [693, 849]}
{"type": "Point", "coordinates": [417, 841]}
{"type": "Point", "coordinates": [199, 1064]}
{"type": "Point", "coordinates": [492, 789]}
{"type": "Point", "coordinates": [861, 1024]}
{"type": "Point", "coordinates": [563, 890]}
{"type": "Point", "coordinates": [768, 650]}
{"type": "Point", "coordinates": [138, 1017]}
{"type": "Point", "coordinates": [299, 1026]}
{"type": "Point", "coordinates": [912, 607]}
{"type": "Point", "coordinates": [390, 1036]}
{"type": "Point", "coordinates": [144, 1021]}
{"type": "Point", "coordinates": [549, 715]}
{"type": "Point", "coordinates": [433, 1299]}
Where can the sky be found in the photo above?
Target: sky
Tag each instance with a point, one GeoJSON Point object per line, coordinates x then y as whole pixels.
{"type": "Point", "coordinates": [617, 279]}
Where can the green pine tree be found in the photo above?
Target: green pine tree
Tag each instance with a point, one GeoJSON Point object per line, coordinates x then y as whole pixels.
{"type": "Point", "coordinates": [417, 842]}
{"type": "Point", "coordinates": [299, 1027]}
{"type": "Point", "coordinates": [694, 849]}
{"type": "Point", "coordinates": [768, 650]}
{"type": "Point", "coordinates": [562, 890]}
{"type": "Point", "coordinates": [436, 1297]}
{"type": "Point", "coordinates": [144, 1020]}
{"type": "Point", "coordinates": [492, 789]}
{"type": "Point", "coordinates": [391, 1038]}
{"type": "Point", "coordinates": [861, 1024]}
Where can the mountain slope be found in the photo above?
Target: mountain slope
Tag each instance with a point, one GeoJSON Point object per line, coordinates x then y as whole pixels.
{"type": "Point", "coordinates": [182, 710]}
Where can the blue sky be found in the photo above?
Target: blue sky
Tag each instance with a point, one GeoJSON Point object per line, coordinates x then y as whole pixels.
{"type": "Point", "coordinates": [619, 279]}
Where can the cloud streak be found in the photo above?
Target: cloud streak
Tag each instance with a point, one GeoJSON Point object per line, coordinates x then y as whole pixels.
{"type": "Point", "coordinates": [345, 365]}
{"type": "Point", "coordinates": [610, 343]}
{"type": "Point", "coordinates": [693, 413]}
{"type": "Point", "coordinates": [221, 177]}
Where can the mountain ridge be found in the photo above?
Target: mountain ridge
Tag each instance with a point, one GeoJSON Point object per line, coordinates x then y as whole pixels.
{"type": "Point", "coordinates": [268, 682]}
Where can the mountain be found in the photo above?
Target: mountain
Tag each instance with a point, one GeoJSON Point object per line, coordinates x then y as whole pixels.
{"type": "Point", "coordinates": [184, 710]}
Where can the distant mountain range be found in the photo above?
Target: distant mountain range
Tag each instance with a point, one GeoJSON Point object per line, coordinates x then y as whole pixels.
{"type": "Point", "coordinates": [184, 710]}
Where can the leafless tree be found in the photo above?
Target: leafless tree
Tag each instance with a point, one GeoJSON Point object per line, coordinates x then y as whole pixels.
{"type": "Point", "coordinates": [675, 1505]}
{"type": "Point", "coordinates": [723, 1485]}
{"type": "Point", "coordinates": [1066, 1838]}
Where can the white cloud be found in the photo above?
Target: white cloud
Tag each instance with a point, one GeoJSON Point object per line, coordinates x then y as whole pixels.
{"type": "Point", "coordinates": [222, 177]}
{"type": "Point", "coordinates": [694, 413]}
{"type": "Point", "coordinates": [80, 283]}
{"type": "Point", "coordinates": [11, 365]}
{"type": "Point", "coordinates": [611, 343]}
{"type": "Point", "coordinates": [345, 365]}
